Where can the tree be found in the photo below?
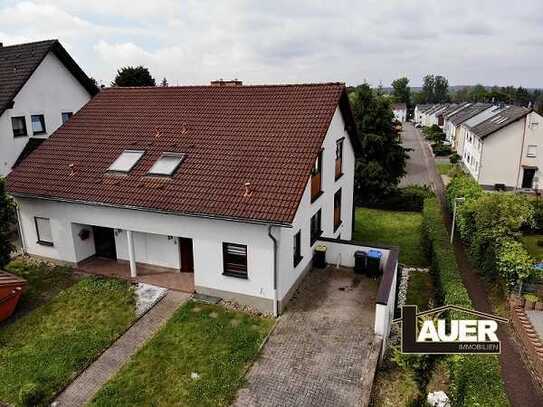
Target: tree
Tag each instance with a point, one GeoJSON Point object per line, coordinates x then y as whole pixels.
{"type": "Point", "coordinates": [478, 93]}
{"type": "Point", "coordinates": [7, 218]}
{"type": "Point", "coordinates": [133, 76]}
{"type": "Point", "coordinates": [441, 89]}
{"type": "Point", "coordinates": [428, 88]}
{"type": "Point", "coordinates": [383, 159]}
{"type": "Point", "coordinates": [402, 91]}
{"type": "Point", "coordinates": [164, 82]}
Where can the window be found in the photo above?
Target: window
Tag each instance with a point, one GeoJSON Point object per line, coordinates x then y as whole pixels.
{"type": "Point", "coordinates": [66, 116]}
{"type": "Point", "coordinates": [316, 178]}
{"type": "Point", "coordinates": [337, 209]}
{"type": "Point", "coordinates": [38, 123]}
{"type": "Point", "coordinates": [316, 229]}
{"type": "Point", "coordinates": [167, 164]}
{"type": "Point", "coordinates": [126, 161]}
{"type": "Point", "coordinates": [297, 248]}
{"type": "Point", "coordinates": [531, 151]}
{"type": "Point", "coordinates": [19, 126]}
{"type": "Point", "coordinates": [234, 260]}
{"type": "Point", "coordinates": [339, 158]}
{"type": "Point", "coordinates": [43, 231]}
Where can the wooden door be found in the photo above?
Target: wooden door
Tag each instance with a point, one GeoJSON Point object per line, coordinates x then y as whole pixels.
{"type": "Point", "coordinates": [187, 255]}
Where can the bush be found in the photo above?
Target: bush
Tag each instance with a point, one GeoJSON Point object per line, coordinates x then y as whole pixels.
{"type": "Point", "coordinates": [538, 214]}
{"type": "Point", "coordinates": [410, 198]}
{"type": "Point", "coordinates": [441, 149]}
{"type": "Point", "coordinates": [462, 186]}
{"type": "Point", "coordinates": [513, 262]}
{"type": "Point", "coordinates": [454, 158]}
{"type": "Point", "coordinates": [7, 218]}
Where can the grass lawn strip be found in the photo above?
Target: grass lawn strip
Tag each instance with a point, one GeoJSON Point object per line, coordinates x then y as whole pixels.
{"type": "Point", "coordinates": [403, 229]}
{"type": "Point", "coordinates": [198, 359]}
{"type": "Point", "coordinates": [43, 351]}
{"type": "Point", "coordinates": [530, 243]}
{"type": "Point", "coordinates": [444, 168]}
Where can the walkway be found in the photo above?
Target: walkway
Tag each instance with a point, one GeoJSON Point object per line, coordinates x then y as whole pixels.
{"type": "Point", "coordinates": [87, 384]}
{"type": "Point", "coordinates": [416, 168]}
{"type": "Point", "coordinates": [321, 347]}
{"type": "Point", "coordinates": [521, 387]}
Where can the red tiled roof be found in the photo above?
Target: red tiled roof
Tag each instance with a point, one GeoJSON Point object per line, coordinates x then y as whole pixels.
{"type": "Point", "coordinates": [267, 135]}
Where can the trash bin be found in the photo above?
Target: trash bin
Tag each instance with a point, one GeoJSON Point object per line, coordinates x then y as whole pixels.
{"type": "Point", "coordinates": [360, 262]}
{"type": "Point", "coordinates": [319, 260]}
{"type": "Point", "coordinates": [374, 263]}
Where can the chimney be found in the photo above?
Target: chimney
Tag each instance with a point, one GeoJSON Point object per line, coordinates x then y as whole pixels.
{"type": "Point", "coordinates": [222, 82]}
{"type": "Point", "coordinates": [248, 191]}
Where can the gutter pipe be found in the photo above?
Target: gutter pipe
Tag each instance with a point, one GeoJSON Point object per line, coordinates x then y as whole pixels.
{"type": "Point", "coordinates": [275, 301]}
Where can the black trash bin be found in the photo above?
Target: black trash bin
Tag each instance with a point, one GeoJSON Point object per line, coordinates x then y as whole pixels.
{"type": "Point", "coordinates": [360, 262]}
{"type": "Point", "coordinates": [374, 263]}
{"type": "Point", "coordinates": [319, 260]}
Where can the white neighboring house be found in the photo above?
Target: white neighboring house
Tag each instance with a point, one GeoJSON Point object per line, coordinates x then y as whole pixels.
{"type": "Point", "coordinates": [455, 121]}
{"type": "Point", "coordinates": [505, 150]}
{"type": "Point", "coordinates": [234, 185]}
{"type": "Point", "coordinates": [41, 86]}
{"type": "Point", "coordinates": [400, 111]}
{"type": "Point", "coordinates": [431, 116]}
{"type": "Point", "coordinates": [419, 111]}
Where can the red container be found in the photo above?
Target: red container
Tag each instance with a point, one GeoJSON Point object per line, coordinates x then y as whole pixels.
{"type": "Point", "coordinates": [11, 289]}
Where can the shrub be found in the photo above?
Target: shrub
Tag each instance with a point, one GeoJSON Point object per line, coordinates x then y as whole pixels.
{"type": "Point", "coordinates": [454, 158]}
{"type": "Point", "coordinates": [441, 149]}
{"type": "Point", "coordinates": [410, 198]}
{"type": "Point", "coordinates": [513, 262]}
{"type": "Point", "coordinates": [531, 297]}
{"type": "Point", "coordinates": [462, 185]}
{"type": "Point", "coordinates": [537, 204]}
{"type": "Point", "coordinates": [7, 218]}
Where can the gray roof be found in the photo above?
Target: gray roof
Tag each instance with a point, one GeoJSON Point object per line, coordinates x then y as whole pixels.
{"type": "Point", "coordinates": [468, 113]}
{"type": "Point", "coordinates": [457, 108]}
{"type": "Point", "coordinates": [499, 121]}
{"type": "Point", "coordinates": [18, 63]}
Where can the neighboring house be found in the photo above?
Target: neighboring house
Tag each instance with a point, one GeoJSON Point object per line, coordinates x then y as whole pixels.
{"type": "Point", "coordinates": [505, 150]}
{"type": "Point", "coordinates": [233, 183]}
{"type": "Point", "coordinates": [463, 140]}
{"type": "Point", "coordinates": [418, 112]}
{"type": "Point", "coordinates": [41, 86]}
{"type": "Point", "coordinates": [430, 116]}
{"type": "Point", "coordinates": [452, 127]}
{"type": "Point", "coordinates": [454, 108]}
{"type": "Point", "coordinates": [400, 111]}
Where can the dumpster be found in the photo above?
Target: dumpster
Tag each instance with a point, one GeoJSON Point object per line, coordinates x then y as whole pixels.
{"type": "Point", "coordinates": [11, 290]}
{"type": "Point", "coordinates": [374, 263]}
{"type": "Point", "coordinates": [319, 260]}
{"type": "Point", "coordinates": [360, 262]}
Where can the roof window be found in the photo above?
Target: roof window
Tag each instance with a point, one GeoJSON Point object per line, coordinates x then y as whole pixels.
{"type": "Point", "coordinates": [126, 161]}
{"type": "Point", "coordinates": [167, 164]}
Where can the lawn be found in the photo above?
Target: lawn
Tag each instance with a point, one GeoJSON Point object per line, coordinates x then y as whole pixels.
{"type": "Point", "coordinates": [44, 350]}
{"type": "Point", "coordinates": [420, 290]}
{"type": "Point", "coordinates": [403, 229]}
{"type": "Point", "coordinates": [197, 359]}
{"type": "Point", "coordinates": [444, 168]}
{"type": "Point", "coordinates": [530, 242]}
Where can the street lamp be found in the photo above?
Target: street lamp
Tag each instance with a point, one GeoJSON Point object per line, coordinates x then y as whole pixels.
{"type": "Point", "coordinates": [454, 216]}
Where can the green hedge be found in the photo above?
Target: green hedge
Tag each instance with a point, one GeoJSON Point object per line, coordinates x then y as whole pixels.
{"type": "Point", "coordinates": [475, 379]}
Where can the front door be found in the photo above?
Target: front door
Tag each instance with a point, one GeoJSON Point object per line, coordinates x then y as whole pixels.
{"type": "Point", "coordinates": [186, 253]}
{"type": "Point", "coordinates": [528, 178]}
{"type": "Point", "coordinates": [104, 242]}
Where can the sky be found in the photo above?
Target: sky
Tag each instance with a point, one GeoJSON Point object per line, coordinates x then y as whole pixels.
{"type": "Point", "coordinates": [280, 41]}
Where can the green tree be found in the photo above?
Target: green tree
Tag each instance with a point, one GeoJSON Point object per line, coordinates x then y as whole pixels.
{"type": "Point", "coordinates": [164, 82]}
{"type": "Point", "coordinates": [478, 93]}
{"type": "Point", "coordinates": [441, 89]}
{"type": "Point", "coordinates": [7, 219]}
{"type": "Point", "coordinates": [402, 91]}
{"type": "Point", "coordinates": [133, 76]}
{"type": "Point", "coordinates": [383, 159]}
{"type": "Point", "coordinates": [428, 89]}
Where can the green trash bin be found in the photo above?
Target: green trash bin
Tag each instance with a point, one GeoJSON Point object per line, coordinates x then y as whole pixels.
{"type": "Point", "coordinates": [319, 260]}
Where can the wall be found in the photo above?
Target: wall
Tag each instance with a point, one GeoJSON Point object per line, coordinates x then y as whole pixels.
{"type": "Point", "coordinates": [288, 274]}
{"type": "Point", "coordinates": [207, 235]}
{"type": "Point", "coordinates": [51, 90]}
{"type": "Point", "coordinates": [150, 249]}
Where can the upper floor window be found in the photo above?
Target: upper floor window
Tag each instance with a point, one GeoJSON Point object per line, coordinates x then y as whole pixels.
{"type": "Point", "coordinates": [66, 116]}
{"type": "Point", "coordinates": [38, 123]}
{"type": "Point", "coordinates": [339, 158]}
{"type": "Point", "coordinates": [167, 164]}
{"type": "Point", "coordinates": [337, 209]}
{"type": "Point", "coordinates": [297, 249]}
{"type": "Point", "coordinates": [19, 126]}
{"type": "Point", "coordinates": [316, 178]}
{"type": "Point", "coordinates": [531, 151]}
{"type": "Point", "coordinates": [126, 161]}
{"type": "Point", "coordinates": [234, 260]}
{"type": "Point", "coordinates": [43, 231]}
{"type": "Point", "coordinates": [316, 228]}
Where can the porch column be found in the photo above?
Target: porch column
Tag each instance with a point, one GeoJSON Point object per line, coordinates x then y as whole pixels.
{"type": "Point", "coordinates": [131, 254]}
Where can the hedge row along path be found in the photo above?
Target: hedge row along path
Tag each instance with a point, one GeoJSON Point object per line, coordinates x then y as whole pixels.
{"type": "Point", "coordinates": [522, 389]}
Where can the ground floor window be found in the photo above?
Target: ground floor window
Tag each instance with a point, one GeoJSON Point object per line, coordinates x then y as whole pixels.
{"type": "Point", "coordinates": [235, 260]}
{"type": "Point", "coordinates": [297, 248]}
{"type": "Point", "coordinates": [316, 228]}
{"type": "Point", "coordinates": [43, 231]}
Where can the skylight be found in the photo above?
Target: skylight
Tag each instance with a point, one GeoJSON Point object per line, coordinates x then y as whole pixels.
{"type": "Point", "coordinates": [126, 161]}
{"type": "Point", "coordinates": [167, 164]}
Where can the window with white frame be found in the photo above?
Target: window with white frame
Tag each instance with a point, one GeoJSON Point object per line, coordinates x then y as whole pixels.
{"type": "Point", "coordinates": [126, 161]}
{"type": "Point", "coordinates": [38, 124]}
{"type": "Point", "coordinates": [532, 151]}
{"type": "Point", "coordinates": [167, 164]}
{"type": "Point", "coordinates": [234, 260]}
{"type": "Point", "coordinates": [43, 231]}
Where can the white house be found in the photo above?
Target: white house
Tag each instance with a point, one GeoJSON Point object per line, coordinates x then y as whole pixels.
{"type": "Point", "coordinates": [454, 122]}
{"type": "Point", "coordinates": [400, 111]}
{"type": "Point", "coordinates": [418, 113]}
{"type": "Point", "coordinates": [504, 150]}
{"type": "Point", "coordinates": [41, 86]}
{"type": "Point", "coordinates": [232, 184]}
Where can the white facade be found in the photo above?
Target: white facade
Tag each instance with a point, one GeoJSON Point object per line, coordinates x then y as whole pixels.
{"type": "Point", "coordinates": [400, 113]}
{"type": "Point", "coordinates": [51, 90]}
{"type": "Point", "coordinates": [155, 235]}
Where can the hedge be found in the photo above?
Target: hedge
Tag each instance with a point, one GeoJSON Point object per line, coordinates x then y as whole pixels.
{"type": "Point", "coordinates": [475, 380]}
{"type": "Point", "coordinates": [410, 199]}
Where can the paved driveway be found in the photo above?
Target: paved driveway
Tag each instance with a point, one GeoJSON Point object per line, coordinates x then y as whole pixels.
{"type": "Point", "coordinates": [320, 348]}
{"type": "Point", "coordinates": [417, 173]}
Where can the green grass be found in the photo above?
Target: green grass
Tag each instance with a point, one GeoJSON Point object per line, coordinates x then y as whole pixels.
{"type": "Point", "coordinates": [420, 290]}
{"type": "Point", "coordinates": [530, 242]}
{"type": "Point", "coordinates": [403, 229]}
{"type": "Point", "coordinates": [43, 351]}
{"type": "Point", "coordinates": [208, 340]}
{"type": "Point", "coordinates": [444, 168]}
{"type": "Point", "coordinates": [44, 281]}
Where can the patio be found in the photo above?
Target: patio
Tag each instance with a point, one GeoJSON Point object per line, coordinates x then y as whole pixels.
{"type": "Point", "coordinates": [155, 275]}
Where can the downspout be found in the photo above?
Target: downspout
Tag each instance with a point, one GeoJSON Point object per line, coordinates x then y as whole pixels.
{"type": "Point", "coordinates": [275, 301]}
{"type": "Point", "coordinates": [521, 152]}
{"type": "Point", "coordinates": [20, 227]}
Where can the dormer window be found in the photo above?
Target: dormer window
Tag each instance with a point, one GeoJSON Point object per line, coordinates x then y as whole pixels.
{"type": "Point", "coordinates": [126, 161]}
{"type": "Point", "coordinates": [167, 164]}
